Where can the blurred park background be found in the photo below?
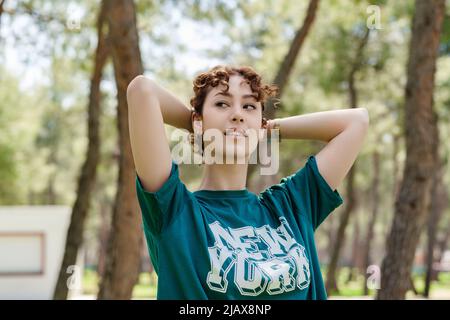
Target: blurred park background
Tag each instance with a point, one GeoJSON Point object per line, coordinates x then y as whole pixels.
{"type": "Point", "coordinates": [69, 220]}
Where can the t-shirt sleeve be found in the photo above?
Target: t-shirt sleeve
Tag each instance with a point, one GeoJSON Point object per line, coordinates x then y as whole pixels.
{"type": "Point", "coordinates": [310, 193]}
{"type": "Point", "coordinates": [159, 208]}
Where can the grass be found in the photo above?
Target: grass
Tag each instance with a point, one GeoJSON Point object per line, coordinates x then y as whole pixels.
{"type": "Point", "coordinates": [147, 286]}
{"type": "Point", "coordinates": [440, 289]}
{"type": "Point", "coordinates": [144, 289]}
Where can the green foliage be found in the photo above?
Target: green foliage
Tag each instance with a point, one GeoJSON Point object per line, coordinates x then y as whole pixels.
{"type": "Point", "coordinates": [445, 36]}
{"type": "Point", "coordinates": [43, 120]}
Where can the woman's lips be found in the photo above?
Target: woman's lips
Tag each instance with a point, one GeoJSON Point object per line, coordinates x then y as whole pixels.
{"type": "Point", "coordinates": [235, 133]}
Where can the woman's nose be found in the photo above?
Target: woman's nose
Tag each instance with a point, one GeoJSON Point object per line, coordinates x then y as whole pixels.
{"type": "Point", "coordinates": [237, 116]}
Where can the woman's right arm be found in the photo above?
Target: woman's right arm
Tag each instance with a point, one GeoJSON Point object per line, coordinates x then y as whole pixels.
{"type": "Point", "coordinates": [149, 107]}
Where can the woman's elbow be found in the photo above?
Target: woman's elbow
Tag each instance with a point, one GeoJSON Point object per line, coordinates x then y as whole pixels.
{"type": "Point", "coordinates": [363, 115]}
{"type": "Point", "coordinates": [139, 85]}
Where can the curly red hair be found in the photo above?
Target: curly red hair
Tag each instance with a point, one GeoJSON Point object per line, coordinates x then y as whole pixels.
{"type": "Point", "coordinates": [220, 74]}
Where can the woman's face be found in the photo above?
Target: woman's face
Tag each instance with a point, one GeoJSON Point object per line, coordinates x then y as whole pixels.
{"type": "Point", "coordinates": [236, 116]}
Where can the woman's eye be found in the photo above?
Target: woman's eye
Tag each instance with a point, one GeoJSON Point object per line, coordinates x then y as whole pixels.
{"type": "Point", "coordinates": [223, 104]}
{"type": "Point", "coordinates": [220, 103]}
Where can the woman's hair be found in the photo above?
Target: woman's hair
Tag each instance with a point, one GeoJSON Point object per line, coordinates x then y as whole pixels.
{"type": "Point", "coordinates": [220, 74]}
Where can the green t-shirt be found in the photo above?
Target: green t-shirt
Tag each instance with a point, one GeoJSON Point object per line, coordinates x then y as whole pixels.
{"type": "Point", "coordinates": [234, 244]}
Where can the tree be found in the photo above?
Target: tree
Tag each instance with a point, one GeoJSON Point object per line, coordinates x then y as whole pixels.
{"type": "Point", "coordinates": [88, 173]}
{"type": "Point", "coordinates": [439, 201]}
{"type": "Point", "coordinates": [2, 5]}
{"type": "Point", "coordinates": [331, 283]}
{"type": "Point", "coordinates": [123, 253]}
{"type": "Point", "coordinates": [371, 225]}
{"type": "Point", "coordinates": [421, 135]}
{"type": "Point", "coordinates": [282, 76]}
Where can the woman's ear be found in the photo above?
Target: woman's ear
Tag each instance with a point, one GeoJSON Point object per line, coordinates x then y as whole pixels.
{"type": "Point", "coordinates": [197, 123]}
{"type": "Point", "coordinates": [195, 116]}
{"type": "Point", "coordinates": [196, 137]}
{"type": "Point", "coordinates": [263, 130]}
{"type": "Point", "coordinates": [264, 123]}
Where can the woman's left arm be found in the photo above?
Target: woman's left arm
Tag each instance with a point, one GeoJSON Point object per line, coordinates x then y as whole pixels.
{"type": "Point", "coordinates": [344, 131]}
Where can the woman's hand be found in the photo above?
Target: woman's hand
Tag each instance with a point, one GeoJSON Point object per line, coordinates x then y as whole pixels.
{"type": "Point", "coordinates": [344, 131]}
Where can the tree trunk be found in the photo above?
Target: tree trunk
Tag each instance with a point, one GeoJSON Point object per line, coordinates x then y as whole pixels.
{"type": "Point", "coordinates": [437, 207]}
{"type": "Point", "coordinates": [396, 169]}
{"type": "Point", "coordinates": [442, 246]}
{"type": "Point", "coordinates": [103, 237]}
{"type": "Point", "coordinates": [89, 170]}
{"type": "Point", "coordinates": [51, 195]}
{"type": "Point", "coordinates": [397, 179]}
{"type": "Point", "coordinates": [355, 266]}
{"type": "Point", "coordinates": [422, 140]}
{"type": "Point", "coordinates": [373, 218]}
{"type": "Point", "coordinates": [2, 5]}
{"type": "Point", "coordinates": [331, 283]}
{"type": "Point", "coordinates": [123, 258]}
{"type": "Point", "coordinates": [281, 80]}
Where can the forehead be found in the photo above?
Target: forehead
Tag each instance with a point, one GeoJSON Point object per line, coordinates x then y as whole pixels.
{"type": "Point", "coordinates": [237, 86]}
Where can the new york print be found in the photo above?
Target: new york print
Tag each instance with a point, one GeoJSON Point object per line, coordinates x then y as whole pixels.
{"type": "Point", "coordinates": [263, 259]}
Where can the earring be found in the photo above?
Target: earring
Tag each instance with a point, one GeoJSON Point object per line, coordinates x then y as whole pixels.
{"type": "Point", "coordinates": [264, 122]}
{"type": "Point", "coordinates": [196, 138]}
{"type": "Point", "coordinates": [275, 125]}
{"type": "Point", "coordinates": [264, 129]}
{"type": "Point", "coordinates": [272, 124]}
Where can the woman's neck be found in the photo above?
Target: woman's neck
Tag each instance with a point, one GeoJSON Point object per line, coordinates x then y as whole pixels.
{"type": "Point", "coordinates": [224, 177]}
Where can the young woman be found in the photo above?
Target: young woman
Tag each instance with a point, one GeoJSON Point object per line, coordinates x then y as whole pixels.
{"type": "Point", "coordinates": [223, 241]}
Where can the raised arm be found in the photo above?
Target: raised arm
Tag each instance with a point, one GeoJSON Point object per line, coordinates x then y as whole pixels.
{"type": "Point", "coordinates": [344, 131]}
{"type": "Point", "coordinates": [149, 107]}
